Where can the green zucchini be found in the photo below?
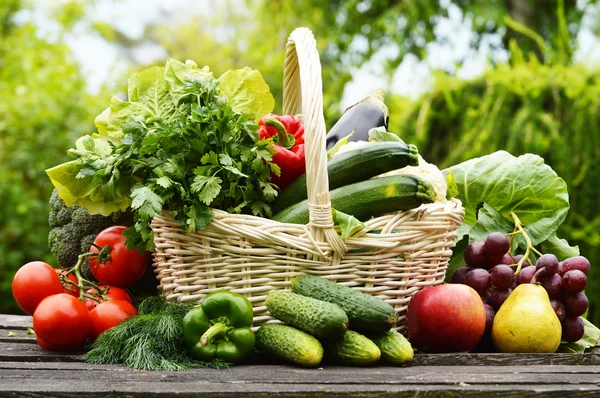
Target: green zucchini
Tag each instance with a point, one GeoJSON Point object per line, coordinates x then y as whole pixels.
{"type": "Point", "coordinates": [315, 317]}
{"type": "Point", "coordinates": [370, 198]}
{"type": "Point", "coordinates": [354, 166]}
{"type": "Point", "coordinates": [366, 313]}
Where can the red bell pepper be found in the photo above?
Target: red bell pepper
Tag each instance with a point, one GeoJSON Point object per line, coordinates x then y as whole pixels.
{"type": "Point", "coordinates": [288, 135]}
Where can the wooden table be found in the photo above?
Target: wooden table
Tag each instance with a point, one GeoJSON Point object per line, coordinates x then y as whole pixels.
{"type": "Point", "coordinates": [28, 371]}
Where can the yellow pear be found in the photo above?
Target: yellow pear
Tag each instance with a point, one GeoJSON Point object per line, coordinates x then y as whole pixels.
{"type": "Point", "coordinates": [526, 322]}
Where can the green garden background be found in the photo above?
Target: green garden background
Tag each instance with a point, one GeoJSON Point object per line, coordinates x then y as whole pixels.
{"type": "Point", "coordinates": [537, 92]}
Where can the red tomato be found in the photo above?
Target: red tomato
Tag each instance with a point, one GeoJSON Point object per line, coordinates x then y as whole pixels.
{"type": "Point", "coordinates": [109, 314]}
{"type": "Point", "coordinates": [32, 283]}
{"type": "Point", "coordinates": [61, 323]}
{"type": "Point", "coordinates": [114, 293]}
{"type": "Point", "coordinates": [124, 267]}
{"type": "Point", "coordinates": [67, 287]}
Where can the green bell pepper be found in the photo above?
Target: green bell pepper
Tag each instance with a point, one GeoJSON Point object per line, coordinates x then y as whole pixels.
{"type": "Point", "coordinates": [220, 328]}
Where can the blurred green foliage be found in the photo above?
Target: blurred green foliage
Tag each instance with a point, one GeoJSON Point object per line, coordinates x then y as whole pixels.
{"type": "Point", "coordinates": [44, 108]}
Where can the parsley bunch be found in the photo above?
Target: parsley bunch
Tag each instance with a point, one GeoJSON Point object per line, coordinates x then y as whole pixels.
{"type": "Point", "coordinates": [204, 155]}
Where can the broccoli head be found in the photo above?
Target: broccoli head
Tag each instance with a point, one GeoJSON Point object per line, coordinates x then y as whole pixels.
{"type": "Point", "coordinates": [74, 230]}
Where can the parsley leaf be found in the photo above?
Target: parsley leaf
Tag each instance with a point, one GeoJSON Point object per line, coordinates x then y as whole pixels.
{"type": "Point", "coordinates": [181, 144]}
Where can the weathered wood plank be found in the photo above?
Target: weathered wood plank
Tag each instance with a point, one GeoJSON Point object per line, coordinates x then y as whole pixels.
{"type": "Point", "coordinates": [24, 348]}
{"type": "Point", "coordinates": [385, 371]}
{"type": "Point", "coordinates": [278, 374]}
{"type": "Point", "coordinates": [15, 321]}
{"type": "Point", "coordinates": [94, 388]}
{"type": "Point", "coordinates": [32, 352]}
{"type": "Point", "coordinates": [496, 359]}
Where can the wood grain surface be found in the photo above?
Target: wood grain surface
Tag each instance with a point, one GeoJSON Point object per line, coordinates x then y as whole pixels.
{"type": "Point", "coordinates": [28, 371]}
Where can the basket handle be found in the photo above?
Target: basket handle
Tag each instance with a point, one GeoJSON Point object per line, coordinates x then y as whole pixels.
{"type": "Point", "coordinates": [303, 93]}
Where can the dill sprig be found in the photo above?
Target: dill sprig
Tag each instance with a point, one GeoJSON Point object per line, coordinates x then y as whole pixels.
{"type": "Point", "coordinates": [152, 340]}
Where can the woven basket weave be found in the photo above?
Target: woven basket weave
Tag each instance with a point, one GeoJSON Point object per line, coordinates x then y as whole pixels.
{"type": "Point", "coordinates": [393, 257]}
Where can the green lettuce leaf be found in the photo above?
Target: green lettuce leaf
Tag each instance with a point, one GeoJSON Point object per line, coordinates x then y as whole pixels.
{"type": "Point", "coordinates": [523, 185]}
{"type": "Point", "coordinates": [452, 190]}
{"type": "Point", "coordinates": [380, 134]}
{"type": "Point", "coordinates": [493, 186]}
{"type": "Point", "coordinates": [154, 95]}
{"type": "Point", "coordinates": [77, 190]}
{"type": "Point", "coordinates": [559, 247]}
{"type": "Point", "coordinates": [247, 92]}
{"type": "Point", "coordinates": [334, 149]}
{"type": "Point", "coordinates": [591, 336]}
{"type": "Point", "coordinates": [349, 225]}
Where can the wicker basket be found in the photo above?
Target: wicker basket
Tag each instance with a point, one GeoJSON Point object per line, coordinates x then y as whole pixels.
{"type": "Point", "coordinates": [393, 257]}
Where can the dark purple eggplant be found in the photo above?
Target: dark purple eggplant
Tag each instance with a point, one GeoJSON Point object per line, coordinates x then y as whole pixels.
{"type": "Point", "coordinates": [361, 117]}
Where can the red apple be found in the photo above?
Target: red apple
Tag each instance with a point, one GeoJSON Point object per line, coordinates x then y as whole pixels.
{"type": "Point", "coordinates": [446, 318]}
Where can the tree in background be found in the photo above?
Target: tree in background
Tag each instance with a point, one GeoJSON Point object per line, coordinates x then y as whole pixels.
{"type": "Point", "coordinates": [44, 108]}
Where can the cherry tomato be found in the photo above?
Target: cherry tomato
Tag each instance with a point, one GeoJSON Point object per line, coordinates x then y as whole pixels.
{"type": "Point", "coordinates": [70, 289]}
{"type": "Point", "coordinates": [61, 323]}
{"type": "Point", "coordinates": [32, 283]}
{"type": "Point", "coordinates": [109, 314]}
{"type": "Point", "coordinates": [114, 293]}
{"type": "Point", "coordinates": [124, 267]}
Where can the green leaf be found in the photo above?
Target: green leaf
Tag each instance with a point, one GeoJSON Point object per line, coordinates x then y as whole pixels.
{"type": "Point", "coordinates": [334, 149]}
{"type": "Point", "coordinates": [198, 217]}
{"type": "Point", "coordinates": [591, 337]}
{"type": "Point", "coordinates": [349, 225]}
{"type": "Point", "coordinates": [225, 159]}
{"type": "Point", "coordinates": [210, 158]}
{"type": "Point", "coordinates": [247, 92]}
{"type": "Point", "coordinates": [149, 89]}
{"type": "Point", "coordinates": [269, 191]}
{"type": "Point", "coordinates": [164, 182]}
{"type": "Point", "coordinates": [11, 334]}
{"type": "Point", "coordinates": [523, 185]}
{"type": "Point", "coordinates": [452, 190]}
{"type": "Point", "coordinates": [260, 208]}
{"type": "Point", "coordinates": [30, 331]}
{"type": "Point", "coordinates": [380, 134]}
{"type": "Point", "coordinates": [559, 247]}
{"type": "Point", "coordinates": [488, 221]}
{"type": "Point", "coordinates": [457, 260]}
{"type": "Point", "coordinates": [179, 74]}
{"type": "Point", "coordinates": [80, 191]}
{"type": "Point", "coordinates": [145, 202]}
{"type": "Point", "coordinates": [207, 188]}
{"type": "Point", "coordinates": [235, 170]}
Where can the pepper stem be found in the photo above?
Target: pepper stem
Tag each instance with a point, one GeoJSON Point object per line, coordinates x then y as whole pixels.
{"type": "Point", "coordinates": [218, 329]}
{"type": "Point", "coordinates": [284, 139]}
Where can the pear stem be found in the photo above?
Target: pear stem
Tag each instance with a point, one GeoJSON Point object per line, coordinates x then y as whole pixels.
{"type": "Point", "coordinates": [539, 272]}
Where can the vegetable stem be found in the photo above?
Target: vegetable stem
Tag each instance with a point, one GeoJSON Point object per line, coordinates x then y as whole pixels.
{"type": "Point", "coordinates": [284, 139]}
{"type": "Point", "coordinates": [527, 239]}
{"type": "Point", "coordinates": [218, 329]}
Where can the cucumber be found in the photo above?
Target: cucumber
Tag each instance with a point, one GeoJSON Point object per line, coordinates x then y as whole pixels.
{"type": "Point", "coordinates": [290, 344]}
{"type": "Point", "coordinates": [318, 318]}
{"type": "Point", "coordinates": [370, 198]}
{"type": "Point", "coordinates": [366, 313]}
{"type": "Point", "coordinates": [353, 349]}
{"type": "Point", "coordinates": [394, 347]}
{"type": "Point", "coordinates": [353, 166]}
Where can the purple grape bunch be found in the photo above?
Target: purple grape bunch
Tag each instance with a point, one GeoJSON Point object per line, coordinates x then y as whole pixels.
{"type": "Point", "coordinates": [490, 271]}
